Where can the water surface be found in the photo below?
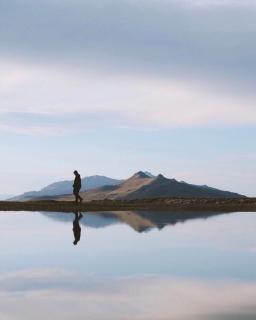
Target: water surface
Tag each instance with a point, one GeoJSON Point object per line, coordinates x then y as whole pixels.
{"type": "Point", "coordinates": [128, 265]}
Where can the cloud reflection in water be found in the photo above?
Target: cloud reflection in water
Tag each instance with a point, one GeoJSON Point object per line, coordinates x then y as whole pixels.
{"type": "Point", "coordinates": [34, 294]}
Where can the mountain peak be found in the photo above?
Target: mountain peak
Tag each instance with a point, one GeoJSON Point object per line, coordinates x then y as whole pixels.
{"type": "Point", "coordinates": [161, 177]}
{"type": "Point", "coordinates": [149, 174]}
{"type": "Point", "coordinates": [140, 175]}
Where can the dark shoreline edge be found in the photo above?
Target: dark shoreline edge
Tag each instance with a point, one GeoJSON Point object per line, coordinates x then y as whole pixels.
{"type": "Point", "coordinates": [185, 204]}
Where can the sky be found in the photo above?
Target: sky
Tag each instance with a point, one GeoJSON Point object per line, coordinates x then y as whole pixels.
{"type": "Point", "coordinates": [116, 86]}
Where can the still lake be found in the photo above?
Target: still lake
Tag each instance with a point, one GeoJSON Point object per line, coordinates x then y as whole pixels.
{"type": "Point", "coordinates": [128, 265]}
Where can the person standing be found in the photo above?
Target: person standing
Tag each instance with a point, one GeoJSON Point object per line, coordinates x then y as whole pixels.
{"type": "Point", "coordinates": [77, 186]}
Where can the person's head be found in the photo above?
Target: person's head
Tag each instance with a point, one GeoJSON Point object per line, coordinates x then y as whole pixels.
{"type": "Point", "coordinates": [75, 173]}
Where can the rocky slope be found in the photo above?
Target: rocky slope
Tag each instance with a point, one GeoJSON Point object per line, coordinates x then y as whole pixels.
{"type": "Point", "coordinates": [143, 186]}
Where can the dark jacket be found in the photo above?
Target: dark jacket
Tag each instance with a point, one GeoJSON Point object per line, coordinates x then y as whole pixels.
{"type": "Point", "coordinates": [77, 182]}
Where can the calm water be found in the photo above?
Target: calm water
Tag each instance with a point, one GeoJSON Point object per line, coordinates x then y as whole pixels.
{"type": "Point", "coordinates": [128, 265]}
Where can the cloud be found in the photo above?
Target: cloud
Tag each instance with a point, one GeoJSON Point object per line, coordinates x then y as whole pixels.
{"type": "Point", "coordinates": [150, 64]}
{"type": "Point", "coordinates": [164, 37]}
{"type": "Point", "coordinates": [55, 102]}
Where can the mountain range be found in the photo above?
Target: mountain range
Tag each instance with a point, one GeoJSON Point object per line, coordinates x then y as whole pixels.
{"type": "Point", "coordinates": [65, 187]}
{"type": "Point", "coordinates": [142, 185]}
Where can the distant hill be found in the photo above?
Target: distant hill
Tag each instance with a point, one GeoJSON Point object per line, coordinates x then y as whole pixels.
{"type": "Point", "coordinates": [5, 196]}
{"type": "Point", "coordinates": [65, 187]}
{"type": "Point", "coordinates": [144, 186]}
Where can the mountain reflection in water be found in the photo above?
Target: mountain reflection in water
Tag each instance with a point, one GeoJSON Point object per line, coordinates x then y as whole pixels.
{"type": "Point", "coordinates": [140, 221]}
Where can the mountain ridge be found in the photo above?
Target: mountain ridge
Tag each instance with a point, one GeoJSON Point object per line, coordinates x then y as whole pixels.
{"type": "Point", "coordinates": [141, 185]}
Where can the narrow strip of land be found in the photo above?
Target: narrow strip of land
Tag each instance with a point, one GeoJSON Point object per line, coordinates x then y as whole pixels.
{"type": "Point", "coordinates": [216, 205]}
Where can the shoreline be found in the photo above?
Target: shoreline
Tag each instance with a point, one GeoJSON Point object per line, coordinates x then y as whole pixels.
{"type": "Point", "coordinates": [168, 204]}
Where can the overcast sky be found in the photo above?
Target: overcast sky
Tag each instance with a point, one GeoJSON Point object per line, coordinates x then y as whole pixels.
{"type": "Point", "coordinates": [116, 86]}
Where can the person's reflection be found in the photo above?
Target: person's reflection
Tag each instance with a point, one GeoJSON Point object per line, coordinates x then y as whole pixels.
{"type": "Point", "coordinates": [77, 228]}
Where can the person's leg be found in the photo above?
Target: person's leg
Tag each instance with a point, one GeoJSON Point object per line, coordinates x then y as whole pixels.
{"type": "Point", "coordinates": [80, 198]}
{"type": "Point", "coordinates": [76, 195]}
